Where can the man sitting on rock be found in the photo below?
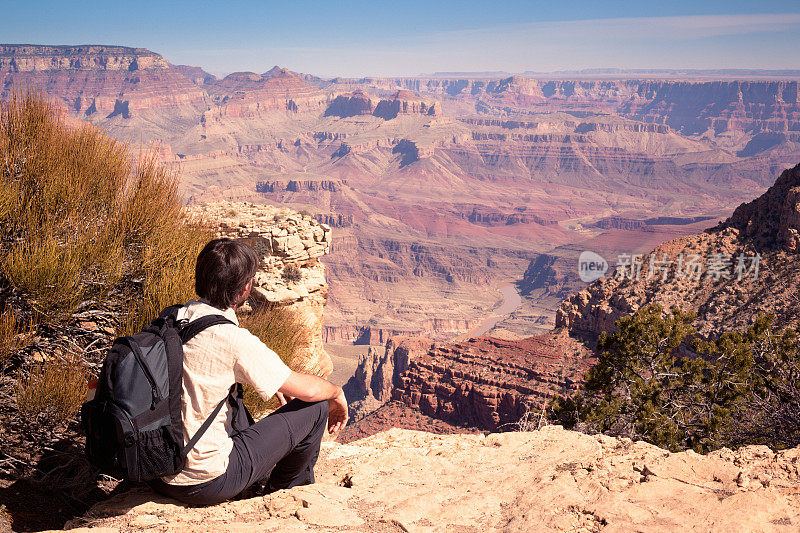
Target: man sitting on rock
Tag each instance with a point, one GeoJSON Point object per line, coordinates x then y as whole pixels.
{"type": "Point", "coordinates": [234, 453]}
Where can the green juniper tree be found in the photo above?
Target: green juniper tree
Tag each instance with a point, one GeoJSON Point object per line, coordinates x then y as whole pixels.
{"type": "Point", "coordinates": [656, 381]}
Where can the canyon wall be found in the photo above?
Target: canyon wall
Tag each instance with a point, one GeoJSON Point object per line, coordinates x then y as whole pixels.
{"type": "Point", "coordinates": [491, 383]}
{"type": "Point", "coordinates": [440, 189]}
{"type": "Point", "coordinates": [689, 106]}
{"type": "Point", "coordinates": [379, 371]}
{"type": "Point", "coordinates": [480, 383]}
{"type": "Point", "coordinates": [39, 58]}
{"type": "Point", "coordinates": [744, 266]}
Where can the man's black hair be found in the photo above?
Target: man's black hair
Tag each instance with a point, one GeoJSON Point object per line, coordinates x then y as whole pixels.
{"type": "Point", "coordinates": [223, 269]}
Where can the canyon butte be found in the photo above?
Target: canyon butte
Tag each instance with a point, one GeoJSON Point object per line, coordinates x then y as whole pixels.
{"type": "Point", "coordinates": [441, 188]}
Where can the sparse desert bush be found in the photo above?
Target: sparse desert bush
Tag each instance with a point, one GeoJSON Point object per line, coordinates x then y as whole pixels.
{"type": "Point", "coordinates": [78, 215]}
{"type": "Point", "coordinates": [167, 274]}
{"type": "Point", "coordinates": [279, 329]}
{"type": "Point", "coordinates": [48, 273]}
{"type": "Point", "coordinates": [11, 337]}
{"type": "Point", "coordinates": [531, 420]}
{"type": "Point", "coordinates": [292, 272]}
{"type": "Point", "coordinates": [85, 225]}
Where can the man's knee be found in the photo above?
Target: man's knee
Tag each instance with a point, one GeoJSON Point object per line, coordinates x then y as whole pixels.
{"type": "Point", "coordinates": [320, 407]}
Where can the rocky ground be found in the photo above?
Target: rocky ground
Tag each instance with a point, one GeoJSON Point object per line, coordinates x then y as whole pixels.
{"type": "Point", "coordinates": [547, 480]}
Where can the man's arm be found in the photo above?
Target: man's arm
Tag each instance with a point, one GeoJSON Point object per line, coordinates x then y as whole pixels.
{"type": "Point", "coordinates": [310, 388]}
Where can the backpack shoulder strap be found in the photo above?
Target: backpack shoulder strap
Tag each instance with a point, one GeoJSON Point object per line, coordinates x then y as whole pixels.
{"type": "Point", "coordinates": [207, 423]}
{"type": "Point", "coordinates": [194, 327]}
{"type": "Point", "coordinates": [186, 333]}
{"type": "Point", "coordinates": [170, 312]}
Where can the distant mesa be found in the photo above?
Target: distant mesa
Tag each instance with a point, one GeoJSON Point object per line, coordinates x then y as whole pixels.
{"type": "Point", "coordinates": [196, 74]}
{"type": "Point", "coordinates": [40, 58]}
{"type": "Point", "coordinates": [630, 224]}
{"type": "Point", "coordinates": [406, 103]}
{"type": "Point", "coordinates": [242, 77]}
{"type": "Point", "coordinates": [300, 185]}
{"type": "Point", "coordinates": [350, 105]}
{"type": "Point", "coordinates": [402, 102]}
{"type": "Point", "coordinates": [100, 81]}
{"type": "Point", "coordinates": [404, 94]}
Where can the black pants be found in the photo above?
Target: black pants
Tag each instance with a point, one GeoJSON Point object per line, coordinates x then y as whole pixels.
{"type": "Point", "coordinates": [281, 448]}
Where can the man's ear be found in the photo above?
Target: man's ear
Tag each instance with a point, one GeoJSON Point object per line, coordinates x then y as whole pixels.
{"type": "Point", "coordinates": [242, 297]}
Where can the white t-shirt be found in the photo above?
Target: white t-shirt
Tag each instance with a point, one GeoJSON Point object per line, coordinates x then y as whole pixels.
{"type": "Point", "coordinates": [213, 361]}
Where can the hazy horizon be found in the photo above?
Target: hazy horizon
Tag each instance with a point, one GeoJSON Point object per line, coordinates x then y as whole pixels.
{"type": "Point", "coordinates": [381, 39]}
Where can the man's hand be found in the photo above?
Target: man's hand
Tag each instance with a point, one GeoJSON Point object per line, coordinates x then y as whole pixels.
{"type": "Point", "coordinates": [311, 388]}
{"type": "Point", "coordinates": [337, 413]}
{"type": "Point", "coordinates": [283, 398]}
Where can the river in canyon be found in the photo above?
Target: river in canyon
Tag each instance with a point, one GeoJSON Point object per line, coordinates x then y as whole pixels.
{"type": "Point", "coordinates": [511, 301]}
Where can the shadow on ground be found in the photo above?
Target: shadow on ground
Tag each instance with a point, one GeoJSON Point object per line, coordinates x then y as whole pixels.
{"type": "Point", "coordinates": [62, 486]}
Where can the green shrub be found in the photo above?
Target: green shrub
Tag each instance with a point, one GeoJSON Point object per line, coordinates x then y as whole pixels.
{"type": "Point", "coordinates": [655, 381]}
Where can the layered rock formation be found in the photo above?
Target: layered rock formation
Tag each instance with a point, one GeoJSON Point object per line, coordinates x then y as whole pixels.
{"type": "Point", "coordinates": [101, 82]}
{"type": "Point", "coordinates": [290, 275]}
{"type": "Point", "coordinates": [379, 371]}
{"type": "Point", "coordinates": [481, 383]}
{"type": "Point", "coordinates": [403, 103]}
{"type": "Point", "coordinates": [490, 383]}
{"type": "Point", "coordinates": [548, 480]}
{"type": "Point", "coordinates": [250, 95]}
{"type": "Point", "coordinates": [744, 266]}
{"type": "Point", "coordinates": [688, 106]}
{"type": "Point", "coordinates": [37, 58]}
{"type": "Point", "coordinates": [350, 105]}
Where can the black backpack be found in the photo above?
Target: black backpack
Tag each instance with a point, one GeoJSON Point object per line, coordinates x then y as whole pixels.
{"type": "Point", "coordinates": [133, 425]}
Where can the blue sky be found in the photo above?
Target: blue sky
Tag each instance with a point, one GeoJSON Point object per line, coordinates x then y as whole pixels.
{"type": "Point", "coordinates": [411, 37]}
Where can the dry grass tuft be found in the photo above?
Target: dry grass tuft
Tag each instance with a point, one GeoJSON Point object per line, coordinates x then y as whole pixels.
{"type": "Point", "coordinates": [285, 334]}
{"type": "Point", "coordinates": [12, 338]}
{"type": "Point", "coordinates": [292, 272]}
{"type": "Point", "coordinates": [51, 392]}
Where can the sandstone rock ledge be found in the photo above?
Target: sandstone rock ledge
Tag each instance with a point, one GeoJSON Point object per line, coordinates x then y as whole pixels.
{"type": "Point", "coordinates": [549, 480]}
{"type": "Point", "coordinates": [290, 276]}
